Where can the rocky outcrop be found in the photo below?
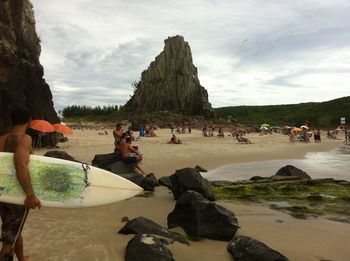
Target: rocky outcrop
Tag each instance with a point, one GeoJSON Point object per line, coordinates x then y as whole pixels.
{"type": "Point", "coordinates": [171, 84]}
{"type": "Point", "coordinates": [21, 74]}
{"type": "Point", "coordinates": [248, 249]}
{"type": "Point", "coordinates": [201, 218]}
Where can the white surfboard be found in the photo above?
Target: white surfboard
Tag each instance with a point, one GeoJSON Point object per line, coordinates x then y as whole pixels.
{"type": "Point", "coordinates": [63, 183]}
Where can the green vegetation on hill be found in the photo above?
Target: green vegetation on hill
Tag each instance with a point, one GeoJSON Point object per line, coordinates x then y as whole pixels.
{"type": "Point", "coordinates": [319, 114]}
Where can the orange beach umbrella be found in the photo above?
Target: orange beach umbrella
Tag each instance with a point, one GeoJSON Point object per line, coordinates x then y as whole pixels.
{"type": "Point", "coordinates": [62, 128]}
{"type": "Point", "coordinates": [41, 125]}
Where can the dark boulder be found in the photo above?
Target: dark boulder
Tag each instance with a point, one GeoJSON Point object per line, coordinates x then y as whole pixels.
{"type": "Point", "coordinates": [190, 179]}
{"type": "Point", "coordinates": [133, 177]}
{"type": "Point", "coordinates": [248, 249]}
{"type": "Point", "coordinates": [142, 225]}
{"type": "Point", "coordinates": [201, 218]}
{"type": "Point", "coordinates": [200, 169]}
{"type": "Point", "coordinates": [149, 182]}
{"type": "Point", "coordinates": [59, 155]}
{"type": "Point", "coordinates": [102, 161]}
{"type": "Point", "coordinates": [144, 247]}
{"type": "Point", "coordinates": [165, 181]}
{"type": "Point", "coordinates": [290, 170]}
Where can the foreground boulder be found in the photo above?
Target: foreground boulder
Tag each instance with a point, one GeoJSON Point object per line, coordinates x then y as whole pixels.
{"type": "Point", "coordinates": [190, 179]}
{"type": "Point", "coordinates": [290, 170]}
{"type": "Point", "coordinates": [144, 247]}
{"type": "Point", "coordinates": [165, 181]}
{"type": "Point", "coordinates": [149, 182]}
{"type": "Point", "coordinates": [201, 218]}
{"type": "Point", "coordinates": [248, 249]}
{"type": "Point", "coordinates": [102, 161]}
{"type": "Point", "coordinates": [59, 155]}
{"type": "Point", "coordinates": [142, 225]}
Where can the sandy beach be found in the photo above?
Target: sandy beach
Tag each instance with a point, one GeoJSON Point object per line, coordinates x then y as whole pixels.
{"type": "Point", "coordinates": [92, 233]}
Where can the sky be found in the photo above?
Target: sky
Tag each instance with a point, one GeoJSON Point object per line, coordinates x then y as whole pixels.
{"type": "Point", "coordinates": [249, 52]}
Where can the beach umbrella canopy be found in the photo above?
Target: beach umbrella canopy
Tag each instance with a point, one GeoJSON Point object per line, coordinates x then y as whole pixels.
{"type": "Point", "coordinates": [62, 128]}
{"type": "Point", "coordinates": [304, 127]}
{"type": "Point", "coordinates": [265, 125]}
{"type": "Point", "coordinates": [41, 125]}
{"type": "Point", "coordinates": [296, 129]}
{"type": "Point", "coordinates": [264, 128]}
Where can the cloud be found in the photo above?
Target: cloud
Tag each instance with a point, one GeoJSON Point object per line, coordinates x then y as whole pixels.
{"type": "Point", "coordinates": [247, 52]}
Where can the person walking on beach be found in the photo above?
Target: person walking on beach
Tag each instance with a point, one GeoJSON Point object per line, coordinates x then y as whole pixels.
{"type": "Point", "coordinates": [13, 216]}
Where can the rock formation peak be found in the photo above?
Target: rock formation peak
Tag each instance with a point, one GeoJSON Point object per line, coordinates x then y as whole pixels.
{"type": "Point", "coordinates": [21, 74]}
{"type": "Point", "coordinates": [171, 84]}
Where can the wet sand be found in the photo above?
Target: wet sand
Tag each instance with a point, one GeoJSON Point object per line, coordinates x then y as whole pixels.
{"type": "Point", "coordinates": [91, 233]}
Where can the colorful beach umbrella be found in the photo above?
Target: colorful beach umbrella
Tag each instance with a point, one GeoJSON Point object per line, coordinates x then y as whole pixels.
{"type": "Point", "coordinates": [62, 128]}
{"type": "Point", "coordinates": [41, 125]}
{"type": "Point", "coordinates": [296, 129]}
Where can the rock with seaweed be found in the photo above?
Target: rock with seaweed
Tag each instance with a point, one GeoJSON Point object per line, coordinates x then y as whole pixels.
{"type": "Point", "coordinates": [201, 218]}
{"type": "Point", "coordinates": [190, 179]}
{"type": "Point", "coordinates": [142, 225]}
{"type": "Point", "coordinates": [245, 248]}
{"type": "Point", "coordinates": [305, 197]}
{"type": "Point", "coordinates": [145, 247]}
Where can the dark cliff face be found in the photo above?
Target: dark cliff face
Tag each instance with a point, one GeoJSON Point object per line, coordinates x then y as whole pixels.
{"type": "Point", "coordinates": [171, 84]}
{"type": "Point", "coordinates": [21, 74]}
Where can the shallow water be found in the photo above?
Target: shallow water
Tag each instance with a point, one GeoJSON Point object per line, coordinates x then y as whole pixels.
{"type": "Point", "coordinates": [333, 164]}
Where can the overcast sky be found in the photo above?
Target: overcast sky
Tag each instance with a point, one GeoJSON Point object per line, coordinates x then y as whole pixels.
{"type": "Point", "coordinates": [249, 52]}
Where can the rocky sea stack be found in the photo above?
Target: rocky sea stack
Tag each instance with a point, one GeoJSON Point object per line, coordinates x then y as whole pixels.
{"type": "Point", "coordinates": [21, 74]}
{"type": "Point", "coordinates": [171, 84]}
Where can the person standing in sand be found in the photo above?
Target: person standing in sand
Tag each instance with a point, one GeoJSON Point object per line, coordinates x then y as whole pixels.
{"type": "Point", "coordinates": [117, 134]}
{"type": "Point", "coordinates": [13, 216]}
{"type": "Point", "coordinates": [131, 156]}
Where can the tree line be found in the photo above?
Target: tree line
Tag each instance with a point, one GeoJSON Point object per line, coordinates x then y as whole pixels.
{"type": "Point", "coordinates": [83, 110]}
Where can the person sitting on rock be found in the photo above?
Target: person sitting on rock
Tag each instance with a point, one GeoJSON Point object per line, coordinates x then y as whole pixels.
{"type": "Point", "coordinates": [131, 156]}
{"type": "Point", "coordinates": [174, 140]}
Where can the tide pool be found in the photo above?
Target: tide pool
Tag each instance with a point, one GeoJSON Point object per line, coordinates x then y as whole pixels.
{"type": "Point", "coordinates": [333, 164]}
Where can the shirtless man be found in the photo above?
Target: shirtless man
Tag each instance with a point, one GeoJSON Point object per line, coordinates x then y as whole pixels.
{"type": "Point", "coordinates": [131, 156]}
{"type": "Point", "coordinates": [117, 134]}
{"type": "Point", "coordinates": [13, 216]}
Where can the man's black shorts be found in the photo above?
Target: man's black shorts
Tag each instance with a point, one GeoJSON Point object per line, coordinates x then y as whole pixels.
{"type": "Point", "coordinates": [13, 218]}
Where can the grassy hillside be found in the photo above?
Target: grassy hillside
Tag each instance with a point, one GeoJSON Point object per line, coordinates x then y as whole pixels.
{"type": "Point", "coordinates": [319, 114]}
